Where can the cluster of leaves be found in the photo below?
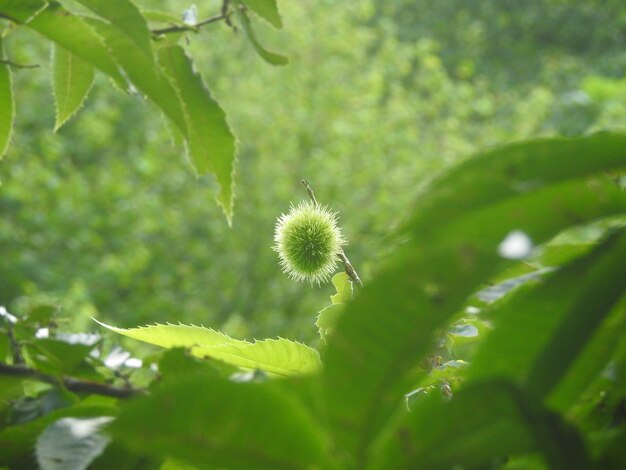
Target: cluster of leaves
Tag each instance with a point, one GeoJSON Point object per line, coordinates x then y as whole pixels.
{"type": "Point", "coordinates": [528, 259]}
{"type": "Point", "coordinates": [119, 43]}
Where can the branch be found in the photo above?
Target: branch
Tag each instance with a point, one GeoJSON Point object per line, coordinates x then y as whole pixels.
{"type": "Point", "coordinates": [194, 28]}
{"type": "Point", "coordinates": [347, 266]}
{"type": "Point", "coordinates": [18, 66]}
{"type": "Point", "coordinates": [70, 383]}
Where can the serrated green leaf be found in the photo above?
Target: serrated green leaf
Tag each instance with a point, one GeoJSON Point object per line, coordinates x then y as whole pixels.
{"type": "Point", "coordinates": [71, 33]}
{"type": "Point", "coordinates": [7, 104]}
{"type": "Point", "coordinates": [540, 332]}
{"type": "Point", "coordinates": [266, 9]}
{"type": "Point", "coordinates": [215, 423]}
{"type": "Point", "coordinates": [127, 19]}
{"type": "Point", "coordinates": [483, 422]}
{"type": "Point", "coordinates": [343, 286]}
{"type": "Point", "coordinates": [211, 142]}
{"type": "Point", "coordinates": [268, 56]}
{"type": "Point", "coordinates": [277, 356]}
{"type": "Point", "coordinates": [452, 249]}
{"type": "Point", "coordinates": [72, 79]}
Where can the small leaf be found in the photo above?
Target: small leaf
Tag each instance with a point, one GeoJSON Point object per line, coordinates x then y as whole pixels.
{"type": "Point", "coordinates": [72, 79]}
{"type": "Point", "coordinates": [277, 356]}
{"type": "Point", "coordinates": [210, 140]}
{"type": "Point", "coordinates": [268, 56]}
{"type": "Point", "coordinates": [7, 104]}
{"type": "Point", "coordinates": [266, 9]}
{"type": "Point", "coordinates": [343, 285]}
{"type": "Point", "coordinates": [71, 443]}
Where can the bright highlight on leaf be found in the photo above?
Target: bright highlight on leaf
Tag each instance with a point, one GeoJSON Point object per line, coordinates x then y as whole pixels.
{"type": "Point", "coordinates": [277, 356]}
{"type": "Point", "coordinates": [308, 241]}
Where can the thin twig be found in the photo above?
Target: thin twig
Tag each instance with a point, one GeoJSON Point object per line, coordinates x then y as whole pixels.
{"type": "Point", "coordinates": [347, 266]}
{"type": "Point", "coordinates": [18, 66]}
{"type": "Point", "coordinates": [70, 383]}
{"type": "Point", "coordinates": [194, 27]}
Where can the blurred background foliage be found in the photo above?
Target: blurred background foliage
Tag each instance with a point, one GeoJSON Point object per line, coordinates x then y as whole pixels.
{"type": "Point", "coordinates": [106, 218]}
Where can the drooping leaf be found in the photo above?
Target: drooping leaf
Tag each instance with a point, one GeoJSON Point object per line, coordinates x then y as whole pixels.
{"type": "Point", "coordinates": [268, 56]}
{"type": "Point", "coordinates": [71, 443]}
{"type": "Point", "coordinates": [215, 423]}
{"type": "Point", "coordinates": [72, 79]}
{"type": "Point", "coordinates": [127, 19]}
{"type": "Point", "coordinates": [266, 9]}
{"type": "Point", "coordinates": [482, 423]}
{"type": "Point", "coordinates": [211, 142]}
{"type": "Point", "coordinates": [7, 104]}
{"type": "Point", "coordinates": [539, 333]}
{"type": "Point", "coordinates": [278, 356]}
{"type": "Point", "coordinates": [71, 33]}
{"type": "Point", "coordinates": [447, 257]}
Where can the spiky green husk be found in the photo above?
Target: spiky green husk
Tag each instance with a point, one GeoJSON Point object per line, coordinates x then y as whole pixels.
{"type": "Point", "coordinates": [308, 241]}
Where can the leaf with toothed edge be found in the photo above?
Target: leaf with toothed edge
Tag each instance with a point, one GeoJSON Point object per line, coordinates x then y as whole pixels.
{"type": "Point", "coordinates": [210, 141]}
{"type": "Point", "coordinates": [72, 79]}
{"type": "Point", "coordinates": [277, 356]}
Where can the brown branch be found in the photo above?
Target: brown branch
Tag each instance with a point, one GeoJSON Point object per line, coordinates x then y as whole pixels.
{"type": "Point", "coordinates": [70, 383]}
{"type": "Point", "coordinates": [347, 266]}
{"type": "Point", "coordinates": [194, 27]}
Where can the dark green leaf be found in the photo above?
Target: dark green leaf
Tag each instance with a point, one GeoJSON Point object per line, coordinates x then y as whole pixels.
{"type": "Point", "coordinates": [211, 422]}
{"type": "Point", "coordinates": [71, 81]}
{"type": "Point", "coordinates": [540, 332]}
{"type": "Point", "coordinates": [389, 327]}
{"type": "Point", "coordinates": [483, 423]}
{"type": "Point", "coordinates": [20, 11]}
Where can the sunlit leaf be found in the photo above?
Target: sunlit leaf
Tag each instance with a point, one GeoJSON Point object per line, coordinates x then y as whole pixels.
{"type": "Point", "coordinates": [72, 79]}
{"type": "Point", "coordinates": [278, 356]}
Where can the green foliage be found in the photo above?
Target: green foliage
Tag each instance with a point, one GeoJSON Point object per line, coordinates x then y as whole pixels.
{"type": "Point", "coordinates": [71, 81]}
{"type": "Point", "coordinates": [277, 356]}
{"type": "Point", "coordinates": [489, 333]}
{"type": "Point", "coordinates": [7, 111]}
